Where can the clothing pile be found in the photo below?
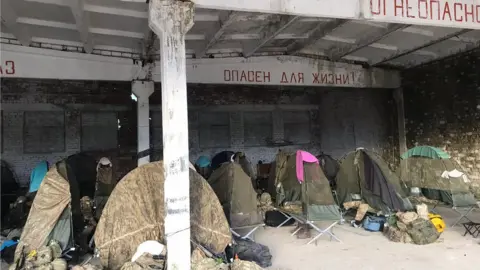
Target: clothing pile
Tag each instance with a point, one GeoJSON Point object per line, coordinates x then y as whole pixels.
{"type": "Point", "coordinates": [44, 258]}
{"type": "Point", "coordinates": [409, 227]}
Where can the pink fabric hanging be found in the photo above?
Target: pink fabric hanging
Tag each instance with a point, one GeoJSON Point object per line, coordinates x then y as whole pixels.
{"type": "Point", "coordinates": [303, 156]}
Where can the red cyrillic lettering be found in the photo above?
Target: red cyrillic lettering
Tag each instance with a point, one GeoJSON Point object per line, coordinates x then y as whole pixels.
{"type": "Point", "coordinates": [377, 9]}
{"type": "Point", "coordinates": [338, 79]}
{"type": "Point", "coordinates": [12, 67]}
{"type": "Point", "coordinates": [300, 78]}
{"type": "Point", "coordinates": [332, 78]}
{"type": "Point", "coordinates": [446, 11]}
{"type": "Point", "coordinates": [469, 13]}
{"type": "Point", "coordinates": [431, 9]}
{"type": "Point", "coordinates": [397, 6]}
{"type": "Point", "coordinates": [234, 75]}
{"type": "Point", "coordinates": [266, 76]}
{"type": "Point", "coordinates": [353, 77]}
{"type": "Point", "coordinates": [409, 8]}
{"type": "Point", "coordinates": [257, 76]}
{"type": "Point", "coordinates": [346, 78]}
{"type": "Point", "coordinates": [293, 78]}
{"type": "Point", "coordinates": [315, 78]}
{"type": "Point", "coordinates": [457, 9]}
{"type": "Point", "coordinates": [477, 11]}
{"type": "Point", "coordinates": [243, 77]}
{"type": "Point", "coordinates": [251, 76]}
{"type": "Point", "coordinates": [284, 78]}
{"type": "Point", "coordinates": [324, 78]}
{"type": "Point", "coordinates": [227, 75]}
{"type": "Point", "coordinates": [420, 9]}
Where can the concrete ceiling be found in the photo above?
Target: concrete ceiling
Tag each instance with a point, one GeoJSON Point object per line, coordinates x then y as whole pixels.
{"type": "Point", "coordinates": [118, 28]}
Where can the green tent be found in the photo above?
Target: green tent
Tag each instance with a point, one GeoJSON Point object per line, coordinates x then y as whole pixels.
{"type": "Point", "coordinates": [235, 192]}
{"type": "Point", "coordinates": [427, 152]}
{"type": "Point", "coordinates": [313, 193]}
{"type": "Point", "coordinates": [439, 177]}
{"type": "Point", "coordinates": [364, 175]}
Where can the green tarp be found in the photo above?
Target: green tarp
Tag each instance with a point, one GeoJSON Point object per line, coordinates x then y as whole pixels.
{"type": "Point", "coordinates": [314, 193]}
{"type": "Point", "coordinates": [426, 152]}
{"type": "Point", "coordinates": [365, 175]}
{"type": "Point", "coordinates": [235, 192]}
{"type": "Point", "coordinates": [433, 177]}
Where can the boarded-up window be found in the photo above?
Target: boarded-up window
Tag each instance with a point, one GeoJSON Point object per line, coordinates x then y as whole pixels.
{"type": "Point", "coordinates": [258, 128]}
{"type": "Point", "coordinates": [214, 129]}
{"type": "Point", "coordinates": [44, 132]}
{"type": "Point", "coordinates": [297, 126]}
{"type": "Point", "coordinates": [99, 131]}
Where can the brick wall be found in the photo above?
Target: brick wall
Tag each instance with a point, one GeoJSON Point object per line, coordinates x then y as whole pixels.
{"type": "Point", "coordinates": [340, 119]}
{"type": "Point", "coordinates": [442, 108]}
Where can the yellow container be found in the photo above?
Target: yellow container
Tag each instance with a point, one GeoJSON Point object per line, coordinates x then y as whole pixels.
{"type": "Point", "coordinates": [437, 221]}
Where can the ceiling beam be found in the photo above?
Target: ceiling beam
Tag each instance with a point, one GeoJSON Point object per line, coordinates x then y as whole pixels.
{"type": "Point", "coordinates": [338, 52]}
{"type": "Point", "coordinates": [213, 37]}
{"type": "Point", "coordinates": [321, 30]}
{"type": "Point", "coordinates": [442, 55]}
{"type": "Point", "coordinates": [269, 33]}
{"type": "Point", "coordinates": [82, 21]}
{"type": "Point", "coordinates": [401, 53]}
{"type": "Point", "coordinates": [9, 19]}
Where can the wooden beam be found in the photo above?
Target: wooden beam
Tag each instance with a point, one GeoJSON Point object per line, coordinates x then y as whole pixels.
{"type": "Point", "coordinates": [321, 30]}
{"type": "Point", "coordinates": [82, 21]}
{"type": "Point", "coordinates": [213, 37]}
{"type": "Point", "coordinates": [270, 32]}
{"type": "Point", "coordinates": [338, 52]}
{"type": "Point", "coordinates": [9, 19]}
{"type": "Point", "coordinates": [399, 54]}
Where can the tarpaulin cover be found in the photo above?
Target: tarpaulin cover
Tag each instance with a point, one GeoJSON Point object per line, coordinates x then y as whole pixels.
{"type": "Point", "coordinates": [366, 174]}
{"type": "Point", "coordinates": [135, 213]}
{"type": "Point", "coordinates": [426, 173]}
{"type": "Point", "coordinates": [426, 152]}
{"type": "Point", "coordinates": [236, 194]}
{"type": "Point", "coordinates": [51, 202]}
{"type": "Point", "coordinates": [37, 176]}
{"type": "Point", "coordinates": [303, 156]}
{"type": "Point", "coordinates": [314, 193]}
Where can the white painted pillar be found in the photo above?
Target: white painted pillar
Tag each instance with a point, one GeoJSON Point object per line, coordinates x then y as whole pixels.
{"type": "Point", "coordinates": [142, 90]}
{"type": "Point", "coordinates": [171, 20]}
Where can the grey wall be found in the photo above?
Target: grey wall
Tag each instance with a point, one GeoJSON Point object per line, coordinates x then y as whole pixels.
{"type": "Point", "coordinates": [249, 119]}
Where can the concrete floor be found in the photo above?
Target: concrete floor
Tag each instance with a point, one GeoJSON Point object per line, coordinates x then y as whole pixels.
{"type": "Point", "coordinates": [362, 250]}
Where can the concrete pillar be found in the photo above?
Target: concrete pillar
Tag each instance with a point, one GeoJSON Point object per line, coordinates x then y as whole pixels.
{"type": "Point", "coordinates": [142, 90]}
{"type": "Point", "coordinates": [402, 135]}
{"type": "Point", "coordinates": [171, 20]}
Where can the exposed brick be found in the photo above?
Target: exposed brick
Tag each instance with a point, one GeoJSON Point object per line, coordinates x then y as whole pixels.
{"type": "Point", "coordinates": [442, 108]}
{"type": "Point", "coordinates": [346, 118]}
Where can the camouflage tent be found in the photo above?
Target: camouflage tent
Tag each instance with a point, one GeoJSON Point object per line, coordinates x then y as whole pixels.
{"type": "Point", "coordinates": [435, 174]}
{"type": "Point", "coordinates": [365, 175]}
{"type": "Point", "coordinates": [55, 212]}
{"type": "Point", "coordinates": [236, 194]}
{"type": "Point", "coordinates": [247, 167]}
{"type": "Point", "coordinates": [124, 225]}
{"type": "Point", "coordinates": [312, 192]}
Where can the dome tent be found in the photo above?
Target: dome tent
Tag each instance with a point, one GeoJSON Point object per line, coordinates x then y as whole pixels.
{"type": "Point", "coordinates": [363, 174]}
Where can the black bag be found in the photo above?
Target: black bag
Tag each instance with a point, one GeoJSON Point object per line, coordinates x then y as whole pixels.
{"type": "Point", "coordinates": [248, 250]}
{"type": "Point", "coordinates": [274, 218]}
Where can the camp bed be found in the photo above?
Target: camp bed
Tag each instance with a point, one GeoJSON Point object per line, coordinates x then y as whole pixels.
{"type": "Point", "coordinates": [311, 223]}
{"type": "Point", "coordinates": [250, 231]}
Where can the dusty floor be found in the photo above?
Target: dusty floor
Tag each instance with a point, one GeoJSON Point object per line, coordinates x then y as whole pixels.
{"type": "Point", "coordinates": [364, 250]}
